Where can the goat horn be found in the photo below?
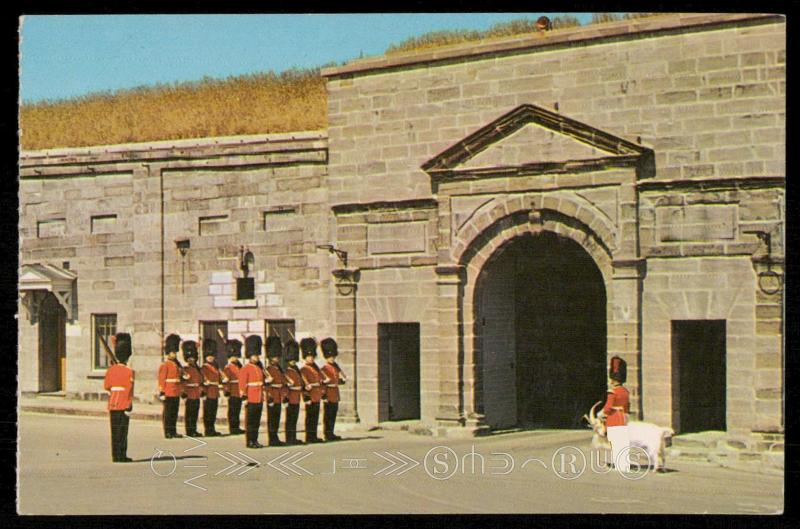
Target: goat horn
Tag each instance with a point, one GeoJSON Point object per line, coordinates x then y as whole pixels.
{"type": "Point", "coordinates": [592, 414]}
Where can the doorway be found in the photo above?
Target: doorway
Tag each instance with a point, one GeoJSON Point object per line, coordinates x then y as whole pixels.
{"type": "Point", "coordinates": [52, 345]}
{"type": "Point", "coordinates": [698, 371]}
{"type": "Point", "coordinates": [541, 332]}
{"type": "Point", "coordinates": [398, 371]}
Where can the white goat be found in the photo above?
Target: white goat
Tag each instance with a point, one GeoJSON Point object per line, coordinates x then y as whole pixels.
{"type": "Point", "coordinates": [651, 438]}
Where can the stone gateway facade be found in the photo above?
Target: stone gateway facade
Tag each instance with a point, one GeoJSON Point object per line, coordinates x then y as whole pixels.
{"type": "Point", "coordinates": [481, 227]}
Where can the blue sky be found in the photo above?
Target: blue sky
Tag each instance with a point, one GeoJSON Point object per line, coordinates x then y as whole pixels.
{"type": "Point", "coordinates": [64, 56]}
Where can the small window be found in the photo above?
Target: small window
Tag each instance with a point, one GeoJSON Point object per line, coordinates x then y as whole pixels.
{"type": "Point", "coordinates": [212, 225]}
{"type": "Point", "coordinates": [51, 228]}
{"type": "Point", "coordinates": [245, 288]}
{"type": "Point", "coordinates": [103, 223]}
{"type": "Point", "coordinates": [106, 326]}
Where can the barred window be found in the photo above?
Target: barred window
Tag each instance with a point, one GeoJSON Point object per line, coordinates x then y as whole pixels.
{"type": "Point", "coordinates": [104, 325]}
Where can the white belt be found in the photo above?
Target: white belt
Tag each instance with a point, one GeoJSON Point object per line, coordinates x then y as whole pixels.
{"type": "Point", "coordinates": [255, 383]}
{"type": "Point", "coordinates": [333, 385]}
{"type": "Point", "coordinates": [191, 385]}
{"type": "Point", "coordinates": [276, 385]}
{"type": "Point", "coordinates": [173, 380]}
{"type": "Point", "coordinates": [314, 385]}
{"type": "Point", "coordinates": [232, 381]}
{"type": "Point", "coordinates": [296, 388]}
{"type": "Point", "coordinates": [117, 388]}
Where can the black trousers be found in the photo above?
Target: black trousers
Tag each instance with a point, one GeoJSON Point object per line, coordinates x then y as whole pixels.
{"type": "Point", "coordinates": [329, 418]}
{"type": "Point", "coordinates": [252, 421]}
{"type": "Point", "coordinates": [192, 410]}
{"type": "Point", "coordinates": [119, 435]}
{"type": "Point", "coordinates": [312, 420]}
{"type": "Point", "coordinates": [292, 412]}
{"type": "Point", "coordinates": [171, 415]}
{"type": "Point", "coordinates": [273, 420]}
{"type": "Point", "coordinates": [210, 414]}
{"type": "Point", "coordinates": [234, 412]}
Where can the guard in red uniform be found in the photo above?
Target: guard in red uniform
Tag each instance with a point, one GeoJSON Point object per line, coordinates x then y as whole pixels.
{"type": "Point", "coordinates": [332, 377]}
{"type": "Point", "coordinates": [230, 382]}
{"type": "Point", "coordinates": [294, 391]}
{"type": "Point", "coordinates": [616, 412]}
{"type": "Point", "coordinates": [119, 384]}
{"type": "Point", "coordinates": [170, 375]}
{"type": "Point", "coordinates": [251, 385]}
{"type": "Point", "coordinates": [192, 382]}
{"type": "Point", "coordinates": [276, 389]}
{"type": "Point", "coordinates": [312, 394]}
{"type": "Point", "coordinates": [211, 386]}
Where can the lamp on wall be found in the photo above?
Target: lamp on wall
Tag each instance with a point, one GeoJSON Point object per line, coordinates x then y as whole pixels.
{"type": "Point", "coordinates": [341, 254]}
{"type": "Point", "coordinates": [183, 246]}
{"type": "Point", "coordinates": [769, 281]}
{"type": "Point", "coordinates": [246, 260]}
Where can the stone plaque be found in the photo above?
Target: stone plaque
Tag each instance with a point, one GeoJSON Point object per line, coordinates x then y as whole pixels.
{"type": "Point", "coordinates": [696, 223]}
{"type": "Point", "coordinates": [396, 237]}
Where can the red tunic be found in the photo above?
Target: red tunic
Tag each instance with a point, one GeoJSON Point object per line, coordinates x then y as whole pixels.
{"type": "Point", "coordinates": [119, 384]}
{"type": "Point", "coordinates": [251, 383]}
{"type": "Point", "coordinates": [294, 384]}
{"type": "Point", "coordinates": [331, 382]}
{"type": "Point", "coordinates": [617, 407]}
{"type": "Point", "coordinates": [192, 382]}
{"type": "Point", "coordinates": [313, 377]}
{"type": "Point", "coordinates": [211, 380]}
{"type": "Point", "coordinates": [276, 388]}
{"type": "Point", "coordinates": [169, 378]}
{"type": "Point", "coordinates": [232, 374]}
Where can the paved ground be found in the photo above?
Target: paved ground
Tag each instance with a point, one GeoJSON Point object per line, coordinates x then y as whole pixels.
{"type": "Point", "coordinates": [65, 468]}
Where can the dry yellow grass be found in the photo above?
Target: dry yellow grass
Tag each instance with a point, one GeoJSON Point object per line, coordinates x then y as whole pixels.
{"type": "Point", "coordinates": [251, 104]}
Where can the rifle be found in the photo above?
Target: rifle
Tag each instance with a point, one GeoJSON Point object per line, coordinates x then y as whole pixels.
{"type": "Point", "coordinates": [109, 353]}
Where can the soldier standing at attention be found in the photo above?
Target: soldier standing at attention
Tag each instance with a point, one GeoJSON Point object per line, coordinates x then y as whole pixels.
{"type": "Point", "coordinates": [192, 379]}
{"type": "Point", "coordinates": [276, 389]}
{"type": "Point", "coordinates": [294, 386]}
{"type": "Point", "coordinates": [616, 412]}
{"type": "Point", "coordinates": [251, 385]}
{"type": "Point", "coordinates": [211, 385]}
{"type": "Point", "coordinates": [231, 385]}
{"type": "Point", "coordinates": [332, 378]}
{"type": "Point", "coordinates": [312, 377]}
{"type": "Point", "coordinates": [169, 385]}
{"type": "Point", "coordinates": [119, 384]}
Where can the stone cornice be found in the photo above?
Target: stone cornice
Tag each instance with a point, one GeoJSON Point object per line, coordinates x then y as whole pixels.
{"type": "Point", "coordinates": [579, 36]}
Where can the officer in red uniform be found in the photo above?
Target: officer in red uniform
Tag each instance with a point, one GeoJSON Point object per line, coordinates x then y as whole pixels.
{"type": "Point", "coordinates": [170, 375]}
{"type": "Point", "coordinates": [192, 382]}
{"type": "Point", "coordinates": [251, 385]}
{"type": "Point", "coordinates": [230, 382]}
{"type": "Point", "coordinates": [119, 384]}
{"type": "Point", "coordinates": [211, 386]}
{"type": "Point", "coordinates": [616, 412]}
{"type": "Point", "coordinates": [276, 389]}
{"type": "Point", "coordinates": [312, 394]}
{"type": "Point", "coordinates": [294, 390]}
{"type": "Point", "coordinates": [332, 377]}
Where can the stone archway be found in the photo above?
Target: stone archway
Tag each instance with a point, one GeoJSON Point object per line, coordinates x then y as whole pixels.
{"type": "Point", "coordinates": [508, 221]}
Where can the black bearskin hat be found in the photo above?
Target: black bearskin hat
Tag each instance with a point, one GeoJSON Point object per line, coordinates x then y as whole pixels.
{"type": "Point", "coordinates": [209, 348]}
{"type": "Point", "coordinates": [291, 351]}
{"type": "Point", "coordinates": [329, 347]}
{"type": "Point", "coordinates": [189, 349]}
{"type": "Point", "coordinates": [309, 346]}
{"type": "Point", "coordinates": [274, 347]}
{"type": "Point", "coordinates": [173, 343]}
{"type": "Point", "coordinates": [252, 345]}
{"type": "Point", "coordinates": [122, 346]}
{"type": "Point", "coordinates": [234, 348]}
{"type": "Point", "coordinates": [618, 370]}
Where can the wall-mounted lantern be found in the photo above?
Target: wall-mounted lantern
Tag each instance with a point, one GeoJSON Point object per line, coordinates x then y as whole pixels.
{"type": "Point", "coordinates": [183, 246]}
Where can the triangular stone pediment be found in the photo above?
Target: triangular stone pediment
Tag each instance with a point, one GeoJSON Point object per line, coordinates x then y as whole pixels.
{"type": "Point", "coordinates": [531, 140]}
